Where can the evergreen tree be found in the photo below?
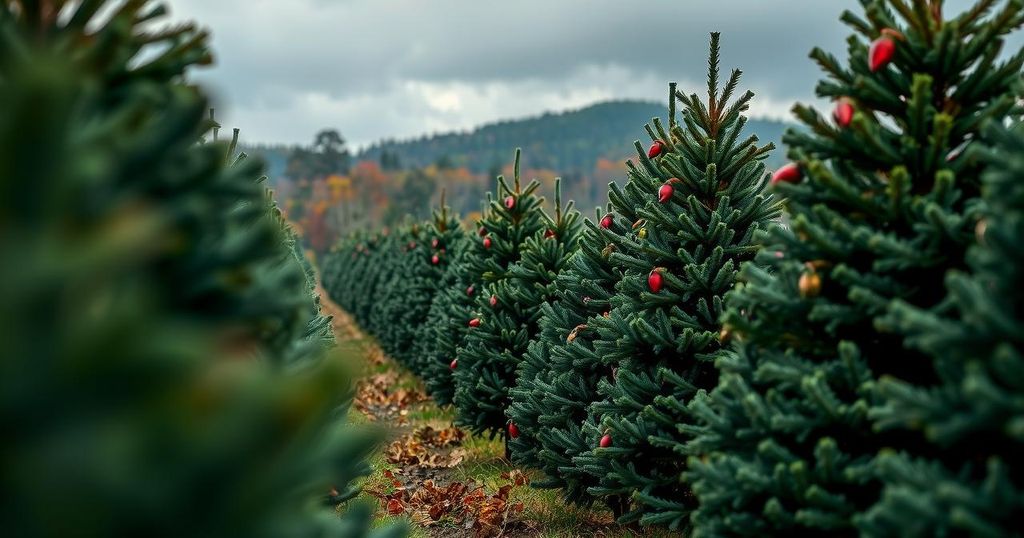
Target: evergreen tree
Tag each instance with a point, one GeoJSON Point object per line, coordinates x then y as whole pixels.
{"type": "Point", "coordinates": [702, 196]}
{"type": "Point", "coordinates": [377, 272]}
{"type": "Point", "coordinates": [883, 202]}
{"type": "Point", "coordinates": [557, 380]}
{"type": "Point", "coordinates": [394, 267]}
{"type": "Point", "coordinates": [510, 310]}
{"type": "Point", "coordinates": [503, 229]}
{"type": "Point", "coordinates": [433, 344]}
{"type": "Point", "coordinates": [346, 265]}
{"type": "Point", "coordinates": [132, 317]}
{"type": "Point", "coordinates": [406, 304]}
{"type": "Point", "coordinates": [971, 483]}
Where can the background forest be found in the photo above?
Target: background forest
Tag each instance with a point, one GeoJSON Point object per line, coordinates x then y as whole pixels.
{"type": "Point", "coordinates": [328, 189]}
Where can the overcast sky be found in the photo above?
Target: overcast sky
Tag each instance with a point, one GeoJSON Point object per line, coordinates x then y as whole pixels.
{"type": "Point", "coordinates": [400, 68]}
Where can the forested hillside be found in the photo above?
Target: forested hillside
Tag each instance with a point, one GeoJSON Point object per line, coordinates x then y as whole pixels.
{"type": "Point", "coordinates": [568, 142]}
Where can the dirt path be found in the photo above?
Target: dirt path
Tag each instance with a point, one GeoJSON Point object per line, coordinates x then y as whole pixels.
{"type": "Point", "coordinates": [445, 482]}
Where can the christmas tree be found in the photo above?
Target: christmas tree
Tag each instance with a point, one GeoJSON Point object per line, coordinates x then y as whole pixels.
{"type": "Point", "coordinates": [406, 303]}
{"type": "Point", "coordinates": [349, 270]}
{"type": "Point", "coordinates": [143, 376]}
{"type": "Point", "coordinates": [971, 484]}
{"type": "Point", "coordinates": [503, 229]}
{"type": "Point", "coordinates": [510, 308]}
{"type": "Point", "coordinates": [884, 199]}
{"type": "Point", "coordinates": [701, 193]}
{"type": "Point", "coordinates": [406, 252]}
{"type": "Point", "coordinates": [557, 380]}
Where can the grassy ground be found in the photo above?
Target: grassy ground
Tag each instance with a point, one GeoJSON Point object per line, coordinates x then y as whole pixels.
{"type": "Point", "coordinates": [394, 398]}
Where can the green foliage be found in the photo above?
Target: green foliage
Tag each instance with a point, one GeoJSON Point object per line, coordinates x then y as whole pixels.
{"type": "Point", "coordinates": [790, 443]}
{"type": "Point", "coordinates": [557, 380]}
{"type": "Point", "coordinates": [389, 281]}
{"type": "Point", "coordinates": [971, 481]}
{"type": "Point", "coordinates": [485, 258]}
{"type": "Point", "coordinates": [405, 304]}
{"type": "Point", "coordinates": [510, 307]}
{"type": "Point", "coordinates": [864, 376]}
{"type": "Point", "coordinates": [659, 345]}
{"type": "Point", "coordinates": [163, 369]}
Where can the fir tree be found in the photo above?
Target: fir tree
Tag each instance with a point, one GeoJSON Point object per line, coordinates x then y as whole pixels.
{"type": "Point", "coordinates": [133, 315]}
{"type": "Point", "coordinates": [428, 349]}
{"type": "Point", "coordinates": [510, 308]}
{"type": "Point", "coordinates": [400, 266]}
{"type": "Point", "coordinates": [506, 224]}
{"type": "Point", "coordinates": [701, 190]}
{"type": "Point", "coordinates": [557, 380]}
{"type": "Point", "coordinates": [971, 483]}
{"type": "Point", "coordinates": [883, 201]}
{"type": "Point", "coordinates": [406, 304]}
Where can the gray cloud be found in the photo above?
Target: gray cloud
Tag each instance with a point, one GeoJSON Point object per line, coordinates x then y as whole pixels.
{"type": "Point", "coordinates": [398, 68]}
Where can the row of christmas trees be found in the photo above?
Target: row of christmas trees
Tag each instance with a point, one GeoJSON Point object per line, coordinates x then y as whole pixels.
{"type": "Point", "coordinates": [691, 362]}
{"type": "Point", "coordinates": [164, 368]}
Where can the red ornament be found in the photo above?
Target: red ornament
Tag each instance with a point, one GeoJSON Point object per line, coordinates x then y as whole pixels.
{"type": "Point", "coordinates": [493, 300]}
{"type": "Point", "coordinates": [789, 173]}
{"type": "Point", "coordinates": [606, 221]}
{"type": "Point", "coordinates": [655, 280]}
{"type": "Point", "coordinates": [469, 291]}
{"type": "Point", "coordinates": [881, 52]}
{"type": "Point", "coordinates": [665, 192]}
{"type": "Point", "coordinates": [482, 231]}
{"type": "Point", "coordinates": [435, 242]}
{"type": "Point", "coordinates": [475, 322]}
{"type": "Point", "coordinates": [656, 149]}
{"type": "Point", "coordinates": [487, 242]}
{"type": "Point", "coordinates": [843, 112]}
{"type": "Point", "coordinates": [549, 233]}
{"type": "Point", "coordinates": [454, 363]}
{"type": "Point", "coordinates": [606, 441]}
{"type": "Point", "coordinates": [510, 202]}
{"type": "Point", "coordinates": [513, 430]}
{"type": "Point", "coordinates": [435, 259]}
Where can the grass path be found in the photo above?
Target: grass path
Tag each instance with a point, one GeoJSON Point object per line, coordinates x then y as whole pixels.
{"type": "Point", "coordinates": [445, 482]}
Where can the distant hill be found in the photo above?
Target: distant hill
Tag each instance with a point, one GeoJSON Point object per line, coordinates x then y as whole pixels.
{"type": "Point", "coordinates": [568, 143]}
{"type": "Point", "coordinates": [275, 156]}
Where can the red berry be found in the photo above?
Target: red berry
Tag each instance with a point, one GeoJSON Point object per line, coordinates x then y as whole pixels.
{"type": "Point", "coordinates": [435, 259]}
{"type": "Point", "coordinates": [656, 148]}
{"type": "Point", "coordinates": [475, 322]}
{"type": "Point", "coordinates": [665, 193]}
{"type": "Point", "coordinates": [549, 233]}
{"type": "Point", "coordinates": [493, 300]}
{"type": "Point", "coordinates": [606, 221]}
{"type": "Point", "coordinates": [487, 242]}
{"type": "Point", "coordinates": [434, 243]}
{"type": "Point", "coordinates": [655, 280]}
{"type": "Point", "coordinates": [606, 441]}
{"type": "Point", "coordinates": [513, 430]}
{"type": "Point", "coordinates": [510, 202]}
{"type": "Point", "coordinates": [412, 245]}
{"type": "Point", "coordinates": [469, 291]}
{"type": "Point", "coordinates": [454, 363]}
{"type": "Point", "coordinates": [482, 231]}
{"type": "Point", "coordinates": [881, 53]}
{"type": "Point", "coordinates": [790, 173]}
{"type": "Point", "coordinates": [843, 112]}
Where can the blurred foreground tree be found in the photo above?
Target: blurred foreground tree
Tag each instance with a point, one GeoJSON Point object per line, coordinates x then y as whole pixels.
{"type": "Point", "coordinates": [164, 365]}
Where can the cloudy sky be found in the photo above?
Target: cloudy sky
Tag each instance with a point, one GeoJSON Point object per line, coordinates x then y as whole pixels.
{"type": "Point", "coordinates": [400, 68]}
